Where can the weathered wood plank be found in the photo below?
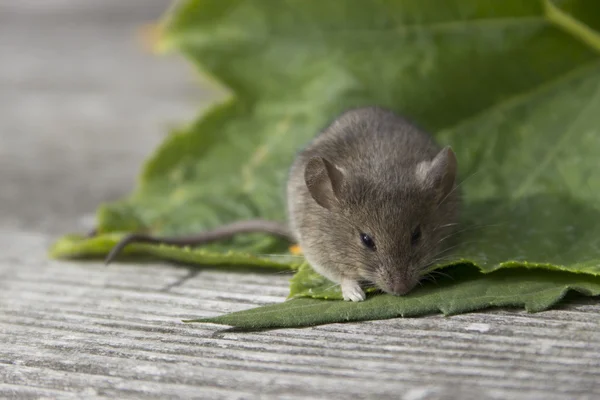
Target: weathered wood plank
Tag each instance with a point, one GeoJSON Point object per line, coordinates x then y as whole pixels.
{"type": "Point", "coordinates": [79, 99]}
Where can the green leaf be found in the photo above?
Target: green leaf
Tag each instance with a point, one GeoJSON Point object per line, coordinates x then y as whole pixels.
{"type": "Point", "coordinates": [513, 86]}
{"type": "Point", "coordinates": [465, 290]}
{"type": "Point", "coordinates": [308, 283]}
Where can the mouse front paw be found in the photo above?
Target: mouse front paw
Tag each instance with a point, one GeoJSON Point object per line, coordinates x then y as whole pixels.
{"type": "Point", "coordinates": [352, 291]}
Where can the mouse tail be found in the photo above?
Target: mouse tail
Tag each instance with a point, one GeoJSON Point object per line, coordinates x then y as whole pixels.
{"type": "Point", "coordinates": [223, 232]}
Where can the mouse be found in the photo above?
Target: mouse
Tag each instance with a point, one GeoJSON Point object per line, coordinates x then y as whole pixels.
{"type": "Point", "coordinates": [371, 200]}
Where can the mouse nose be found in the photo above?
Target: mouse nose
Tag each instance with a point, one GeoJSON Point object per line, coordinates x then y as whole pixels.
{"type": "Point", "coordinates": [401, 287]}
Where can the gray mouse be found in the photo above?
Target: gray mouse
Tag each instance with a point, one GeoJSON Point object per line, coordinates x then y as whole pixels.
{"type": "Point", "coordinates": [370, 200]}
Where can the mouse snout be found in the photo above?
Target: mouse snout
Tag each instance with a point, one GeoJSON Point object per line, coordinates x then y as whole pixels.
{"type": "Point", "coordinates": [396, 281]}
{"type": "Point", "coordinates": [401, 287]}
{"type": "Point", "coordinates": [398, 287]}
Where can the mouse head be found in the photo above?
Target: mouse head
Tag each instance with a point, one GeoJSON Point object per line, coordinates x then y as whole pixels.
{"type": "Point", "coordinates": [390, 230]}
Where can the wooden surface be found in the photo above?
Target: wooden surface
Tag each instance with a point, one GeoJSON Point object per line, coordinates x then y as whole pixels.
{"type": "Point", "coordinates": [81, 106]}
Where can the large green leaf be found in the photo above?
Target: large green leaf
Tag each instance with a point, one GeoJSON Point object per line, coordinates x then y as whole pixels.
{"type": "Point", "coordinates": [513, 86]}
{"type": "Point", "coordinates": [465, 289]}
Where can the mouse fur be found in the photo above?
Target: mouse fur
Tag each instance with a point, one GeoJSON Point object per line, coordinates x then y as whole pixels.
{"type": "Point", "coordinates": [372, 173]}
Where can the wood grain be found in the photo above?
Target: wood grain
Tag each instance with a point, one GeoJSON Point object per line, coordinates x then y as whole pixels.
{"type": "Point", "coordinates": [80, 98]}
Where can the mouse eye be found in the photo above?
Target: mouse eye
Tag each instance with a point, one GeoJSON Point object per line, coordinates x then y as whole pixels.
{"type": "Point", "coordinates": [367, 241]}
{"type": "Point", "coordinates": [416, 235]}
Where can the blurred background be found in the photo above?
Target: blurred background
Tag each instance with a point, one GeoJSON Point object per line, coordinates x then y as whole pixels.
{"type": "Point", "coordinates": [83, 101]}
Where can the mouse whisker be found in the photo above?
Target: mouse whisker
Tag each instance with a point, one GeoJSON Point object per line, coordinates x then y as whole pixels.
{"type": "Point", "coordinates": [447, 249]}
{"type": "Point", "coordinates": [332, 286]}
{"type": "Point", "coordinates": [470, 228]}
{"type": "Point", "coordinates": [440, 273]}
{"type": "Point", "coordinates": [456, 187]}
{"type": "Point", "coordinates": [446, 226]}
{"type": "Point", "coordinates": [436, 261]}
{"type": "Point", "coordinates": [427, 278]}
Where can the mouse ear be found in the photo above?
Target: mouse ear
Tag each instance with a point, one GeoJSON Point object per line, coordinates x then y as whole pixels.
{"type": "Point", "coordinates": [439, 173]}
{"type": "Point", "coordinates": [323, 180]}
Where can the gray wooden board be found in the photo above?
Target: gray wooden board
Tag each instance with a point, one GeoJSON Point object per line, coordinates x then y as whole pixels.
{"type": "Point", "coordinates": [81, 106]}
